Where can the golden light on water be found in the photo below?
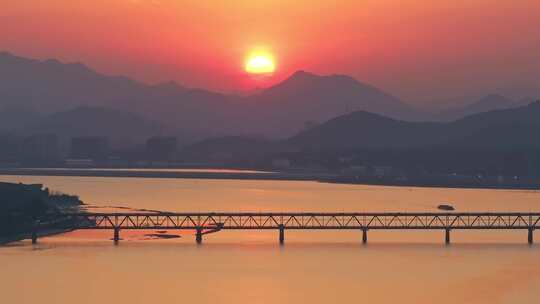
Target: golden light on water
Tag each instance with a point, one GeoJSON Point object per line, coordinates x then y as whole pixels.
{"type": "Point", "coordinates": [260, 63]}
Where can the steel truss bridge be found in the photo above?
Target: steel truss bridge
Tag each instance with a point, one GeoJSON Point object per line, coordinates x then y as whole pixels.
{"type": "Point", "coordinates": [205, 223]}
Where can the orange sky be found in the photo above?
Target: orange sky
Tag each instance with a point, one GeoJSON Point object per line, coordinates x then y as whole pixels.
{"type": "Point", "coordinates": [420, 50]}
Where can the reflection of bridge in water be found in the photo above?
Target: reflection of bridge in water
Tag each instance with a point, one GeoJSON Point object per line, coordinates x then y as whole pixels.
{"type": "Point", "coordinates": [205, 223]}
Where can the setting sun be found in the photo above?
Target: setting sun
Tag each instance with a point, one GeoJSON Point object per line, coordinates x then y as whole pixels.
{"type": "Point", "coordinates": [260, 63]}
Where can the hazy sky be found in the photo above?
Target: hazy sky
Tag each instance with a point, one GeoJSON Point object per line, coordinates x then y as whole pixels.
{"type": "Point", "coordinates": [420, 50]}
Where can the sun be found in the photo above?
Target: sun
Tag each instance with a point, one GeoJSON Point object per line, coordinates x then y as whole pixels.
{"type": "Point", "coordinates": [260, 63]}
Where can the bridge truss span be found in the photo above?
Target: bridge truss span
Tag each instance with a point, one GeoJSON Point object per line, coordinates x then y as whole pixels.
{"type": "Point", "coordinates": [204, 223]}
{"type": "Point", "coordinates": [305, 220]}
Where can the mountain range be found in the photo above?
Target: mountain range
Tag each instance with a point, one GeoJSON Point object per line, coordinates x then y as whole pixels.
{"type": "Point", "coordinates": [508, 129]}
{"type": "Point", "coordinates": [487, 103]}
{"type": "Point", "coordinates": [72, 99]}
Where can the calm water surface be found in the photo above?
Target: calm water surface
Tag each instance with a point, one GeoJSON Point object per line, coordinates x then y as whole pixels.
{"type": "Point", "coordinates": [250, 267]}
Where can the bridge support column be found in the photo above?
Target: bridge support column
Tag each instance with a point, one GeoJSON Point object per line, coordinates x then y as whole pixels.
{"type": "Point", "coordinates": [34, 236]}
{"type": "Point", "coordinates": [447, 236]}
{"type": "Point", "coordinates": [530, 236]}
{"type": "Point", "coordinates": [198, 235]}
{"type": "Point", "coordinates": [281, 234]}
{"type": "Point", "coordinates": [116, 237]}
{"type": "Point", "coordinates": [364, 235]}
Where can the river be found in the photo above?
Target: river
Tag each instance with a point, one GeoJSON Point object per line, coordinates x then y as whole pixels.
{"type": "Point", "coordinates": [250, 266]}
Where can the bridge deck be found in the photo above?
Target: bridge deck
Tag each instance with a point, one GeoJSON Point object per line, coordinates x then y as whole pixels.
{"type": "Point", "coordinates": [485, 220]}
{"type": "Point", "coordinates": [204, 223]}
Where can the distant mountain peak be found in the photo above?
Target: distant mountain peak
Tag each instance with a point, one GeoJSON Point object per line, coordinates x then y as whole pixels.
{"type": "Point", "coordinates": [301, 73]}
{"type": "Point", "coordinates": [325, 96]}
{"type": "Point", "coordinates": [301, 76]}
{"type": "Point", "coordinates": [303, 79]}
{"type": "Point", "coordinates": [305, 75]}
{"type": "Point", "coordinates": [487, 103]}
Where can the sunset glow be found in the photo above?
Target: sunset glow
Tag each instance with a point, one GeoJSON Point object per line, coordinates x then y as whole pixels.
{"type": "Point", "coordinates": [260, 64]}
{"type": "Point", "coordinates": [421, 51]}
{"type": "Point", "coordinates": [276, 151]}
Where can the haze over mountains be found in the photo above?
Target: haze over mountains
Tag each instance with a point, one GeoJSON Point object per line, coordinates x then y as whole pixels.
{"type": "Point", "coordinates": [488, 103]}
{"type": "Point", "coordinates": [124, 129]}
{"type": "Point", "coordinates": [71, 98]}
{"type": "Point", "coordinates": [499, 129]}
{"type": "Point", "coordinates": [306, 97]}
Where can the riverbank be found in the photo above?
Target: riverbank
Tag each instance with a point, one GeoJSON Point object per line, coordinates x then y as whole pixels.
{"type": "Point", "coordinates": [22, 204]}
{"type": "Point", "coordinates": [429, 181]}
{"type": "Point", "coordinates": [438, 182]}
{"type": "Point", "coordinates": [149, 173]}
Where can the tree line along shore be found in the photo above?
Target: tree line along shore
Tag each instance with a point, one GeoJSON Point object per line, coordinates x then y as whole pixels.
{"type": "Point", "coordinates": [22, 204]}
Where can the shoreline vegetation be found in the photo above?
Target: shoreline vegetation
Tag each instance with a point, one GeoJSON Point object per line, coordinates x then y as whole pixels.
{"type": "Point", "coordinates": [438, 181]}
{"type": "Point", "coordinates": [22, 204]}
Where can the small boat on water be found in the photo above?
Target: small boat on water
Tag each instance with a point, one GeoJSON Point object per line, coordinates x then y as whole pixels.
{"type": "Point", "coordinates": [446, 207]}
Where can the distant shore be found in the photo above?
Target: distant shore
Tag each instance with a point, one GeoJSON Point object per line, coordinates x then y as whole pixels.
{"type": "Point", "coordinates": [159, 173]}
{"type": "Point", "coordinates": [262, 175]}
{"type": "Point", "coordinates": [435, 184]}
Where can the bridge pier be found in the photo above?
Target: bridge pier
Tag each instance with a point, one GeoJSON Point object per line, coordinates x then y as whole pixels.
{"type": "Point", "coordinates": [281, 234]}
{"type": "Point", "coordinates": [34, 236]}
{"type": "Point", "coordinates": [530, 236]}
{"type": "Point", "coordinates": [116, 236]}
{"type": "Point", "coordinates": [364, 235]}
{"type": "Point", "coordinates": [447, 236]}
{"type": "Point", "coordinates": [198, 235]}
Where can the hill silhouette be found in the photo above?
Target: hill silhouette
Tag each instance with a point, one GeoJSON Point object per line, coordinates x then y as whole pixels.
{"type": "Point", "coordinates": [488, 103]}
{"type": "Point", "coordinates": [306, 97]}
{"type": "Point", "coordinates": [506, 129]}
{"type": "Point", "coordinates": [280, 111]}
{"type": "Point", "coordinates": [50, 86]}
